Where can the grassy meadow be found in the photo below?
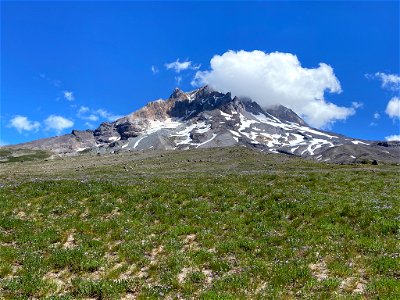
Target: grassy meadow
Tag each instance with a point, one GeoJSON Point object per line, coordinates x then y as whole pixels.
{"type": "Point", "coordinates": [201, 224]}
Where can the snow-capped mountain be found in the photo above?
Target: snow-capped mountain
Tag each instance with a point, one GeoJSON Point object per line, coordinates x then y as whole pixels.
{"type": "Point", "coordinates": [206, 118]}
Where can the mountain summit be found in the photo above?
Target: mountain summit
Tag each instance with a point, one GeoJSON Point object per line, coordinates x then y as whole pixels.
{"type": "Point", "coordinates": [205, 118]}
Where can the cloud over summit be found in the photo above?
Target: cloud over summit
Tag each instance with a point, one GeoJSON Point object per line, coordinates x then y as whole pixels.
{"type": "Point", "coordinates": [277, 78]}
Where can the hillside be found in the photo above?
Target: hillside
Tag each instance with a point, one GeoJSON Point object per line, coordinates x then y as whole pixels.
{"type": "Point", "coordinates": [218, 223]}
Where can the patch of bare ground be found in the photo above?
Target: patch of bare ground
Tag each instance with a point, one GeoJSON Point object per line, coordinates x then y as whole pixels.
{"type": "Point", "coordinates": [354, 284]}
{"type": "Point", "coordinates": [70, 242]}
{"type": "Point", "coordinates": [61, 279]}
{"type": "Point", "coordinates": [319, 270]}
{"type": "Point", "coordinates": [208, 274]}
{"type": "Point", "coordinates": [15, 268]}
{"type": "Point", "coordinates": [153, 257]}
{"type": "Point", "coordinates": [190, 243]}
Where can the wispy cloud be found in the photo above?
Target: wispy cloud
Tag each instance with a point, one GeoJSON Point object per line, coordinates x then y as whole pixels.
{"type": "Point", "coordinates": [22, 123]}
{"type": "Point", "coordinates": [178, 66]}
{"type": "Point", "coordinates": [107, 115]}
{"type": "Point", "coordinates": [389, 81]}
{"type": "Point", "coordinates": [3, 143]}
{"type": "Point", "coordinates": [357, 105]}
{"type": "Point", "coordinates": [54, 82]}
{"type": "Point", "coordinates": [89, 125]}
{"type": "Point", "coordinates": [376, 116]}
{"type": "Point", "coordinates": [83, 109]}
{"type": "Point", "coordinates": [58, 123]}
{"type": "Point", "coordinates": [85, 114]}
{"type": "Point", "coordinates": [154, 70]}
{"type": "Point", "coordinates": [178, 80]}
{"type": "Point", "coordinates": [69, 95]}
{"type": "Point", "coordinates": [93, 115]}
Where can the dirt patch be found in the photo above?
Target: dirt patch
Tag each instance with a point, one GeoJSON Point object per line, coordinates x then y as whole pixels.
{"type": "Point", "coordinates": [153, 257]}
{"type": "Point", "coordinates": [208, 274]}
{"type": "Point", "coordinates": [60, 279]}
{"type": "Point", "coordinates": [21, 215]}
{"type": "Point", "coordinates": [184, 273]}
{"type": "Point", "coordinates": [319, 270]}
{"type": "Point", "coordinates": [353, 285]}
{"type": "Point", "coordinates": [190, 243]}
{"type": "Point", "coordinates": [70, 242]}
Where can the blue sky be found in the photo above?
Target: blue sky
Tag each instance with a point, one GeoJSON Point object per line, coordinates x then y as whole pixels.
{"type": "Point", "coordinates": [72, 65]}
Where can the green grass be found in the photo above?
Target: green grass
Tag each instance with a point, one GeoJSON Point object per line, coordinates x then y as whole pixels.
{"type": "Point", "coordinates": [21, 155]}
{"type": "Point", "coordinates": [151, 226]}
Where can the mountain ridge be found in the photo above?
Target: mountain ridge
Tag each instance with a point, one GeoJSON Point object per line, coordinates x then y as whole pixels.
{"type": "Point", "coordinates": [205, 118]}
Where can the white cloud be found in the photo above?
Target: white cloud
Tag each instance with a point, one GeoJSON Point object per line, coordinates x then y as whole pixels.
{"type": "Point", "coordinates": [377, 116]}
{"type": "Point", "coordinates": [389, 81]}
{"type": "Point", "coordinates": [3, 143]}
{"type": "Point", "coordinates": [154, 70]}
{"type": "Point", "coordinates": [57, 123]}
{"type": "Point", "coordinates": [394, 137]}
{"type": "Point", "coordinates": [69, 95]}
{"type": "Point", "coordinates": [277, 78]}
{"type": "Point", "coordinates": [22, 123]}
{"type": "Point", "coordinates": [393, 108]}
{"type": "Point", "coordinates": [179, 66]}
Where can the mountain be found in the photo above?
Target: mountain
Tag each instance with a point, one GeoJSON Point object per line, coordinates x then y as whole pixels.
{"type": "Point", "coordinates": [206, 118]}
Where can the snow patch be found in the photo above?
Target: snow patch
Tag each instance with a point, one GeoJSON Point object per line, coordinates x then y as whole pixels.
{"type": "Point", "coordinates": [245, 123]}
{"type": "Point", "coordinates": [294, 149]}
{"type": "Point", "coordinates": [209, 140]}
{"type": "Point", "coordinates": [359, 142]}
{"type": "Point", "coordinates": [225, 115]}
{"type": "Point", "coordinates": [316, 144]}
{"type": "Point", "coordinates": [157, 125]}
{"type": "Point", "coordinates": [299, 139]}
{"type": "Point", "coordinates": [137, 142]}
{"type": "Point", "coordinates": [235, 133]}
{"type": "Point", "coordinates": [203, 128]}
{"type": "Point", "coordinates": [114, 138]}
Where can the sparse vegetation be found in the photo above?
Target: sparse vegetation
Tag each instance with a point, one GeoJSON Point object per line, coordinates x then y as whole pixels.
{"type": "Point", "coordinates": [211, 224]}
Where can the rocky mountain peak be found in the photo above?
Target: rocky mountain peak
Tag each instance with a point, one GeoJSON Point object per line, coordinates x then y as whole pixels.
{"type": "Point", "coordinates": [176, 93]}
{"type": "Point", "coordinates": [206, 118]}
